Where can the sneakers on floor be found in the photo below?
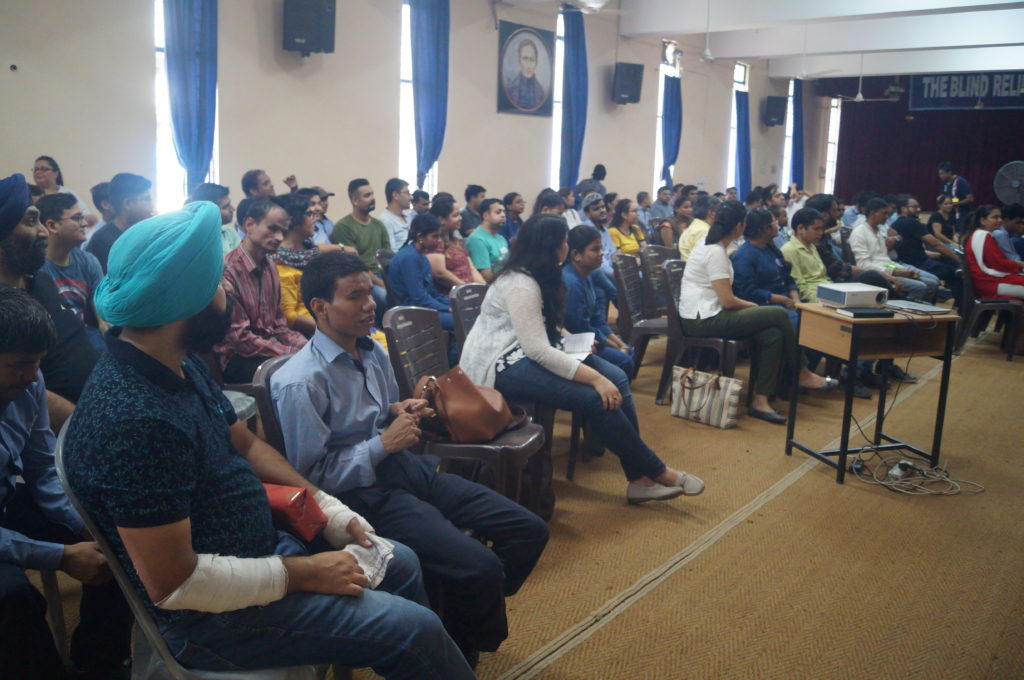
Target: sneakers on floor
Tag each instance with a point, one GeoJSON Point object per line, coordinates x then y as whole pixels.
{"type": "Point", "coordinates": [692, 485]}
{"type": "Point", "coordinates": [639, 493]}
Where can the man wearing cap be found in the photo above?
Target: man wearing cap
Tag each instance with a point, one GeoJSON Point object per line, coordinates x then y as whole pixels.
{"type": "Point", "coordinates": [325, 225]}
{"type": "Point", "coordinates": [23, 241]}
{"type": "Point", "coordinates": [174, 481]}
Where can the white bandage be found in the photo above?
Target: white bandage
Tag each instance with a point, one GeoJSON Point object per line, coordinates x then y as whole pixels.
{"type": "Point", "coordinates": [338, 517]}
{"type": "Point", "coordinates": [222, 583]}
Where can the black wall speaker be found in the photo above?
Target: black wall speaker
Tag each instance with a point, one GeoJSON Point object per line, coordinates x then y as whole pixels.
{"type": "Point", "coordinates": [775, 110]}
{"type": "Point", "coordinates": [626, 83]}
{"type": "Point", "coordinates": [309, 26]}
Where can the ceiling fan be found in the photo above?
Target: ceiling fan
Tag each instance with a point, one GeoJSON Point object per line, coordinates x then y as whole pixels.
{"type": "Point", "coordinates": [804, 75]}
{"type": "Point", "coordinates": [706, 54]}
{"type": "Point", "coordinates": [859, 97]}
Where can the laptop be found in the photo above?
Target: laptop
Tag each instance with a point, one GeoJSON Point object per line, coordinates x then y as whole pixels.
{"type": "Point", "coordinates": [915, 307]}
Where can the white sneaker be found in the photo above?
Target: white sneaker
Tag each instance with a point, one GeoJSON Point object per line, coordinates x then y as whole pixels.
{"type": "Point", "coordinates": [638, 493]}
{"type": "Point", "coordinates": [691, 485]}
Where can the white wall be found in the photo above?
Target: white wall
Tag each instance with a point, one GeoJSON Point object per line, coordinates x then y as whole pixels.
{"type": "Point", "coordinates": [82, 91]}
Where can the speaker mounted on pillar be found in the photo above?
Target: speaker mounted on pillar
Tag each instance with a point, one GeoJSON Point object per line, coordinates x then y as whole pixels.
{"type": "Point", "coordinates": [626, 83]}
{"type": "Point", "coordinates": [309, 26]}
{"type": "Point", "coordinates": [775, 111]}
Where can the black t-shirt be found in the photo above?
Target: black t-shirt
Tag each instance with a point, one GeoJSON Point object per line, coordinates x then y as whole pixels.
{"type": "Point", "coordinates": [99, 244]}
{"type": "Point", "coordinates": [911, 248]}
{"type": "Point", "coordinates": [67, 366]}
{"type": "Point", "coordinates": [946, 225]}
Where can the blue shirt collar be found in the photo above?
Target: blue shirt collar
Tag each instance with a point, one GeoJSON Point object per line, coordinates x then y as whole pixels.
{"type": "Point", "coordinates": [332, 350]}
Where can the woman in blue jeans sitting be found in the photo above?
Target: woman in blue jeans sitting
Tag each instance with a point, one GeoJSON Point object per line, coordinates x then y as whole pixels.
{"type": "Point", "coordinates": [583, 314]}
{"type": "Point", "coordinates": [513, 347]}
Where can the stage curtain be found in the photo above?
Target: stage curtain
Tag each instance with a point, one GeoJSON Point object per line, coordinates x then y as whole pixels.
{"type": "Point", "coordinates": [191, 50]}
{"type": "Point", "coordinates": [430, 25]}
{"type": "Point", "coordinates": [798, 134]}
{"type": "Point", "coordinates": [574, 96]}
{"type": "Point", "coordinates": [742, 144]}
{"type": "Point", "coordinates": [671, 126]}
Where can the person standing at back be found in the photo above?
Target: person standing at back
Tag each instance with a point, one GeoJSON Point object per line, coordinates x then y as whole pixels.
{"type": "Point", "coordinates": [959, 191]}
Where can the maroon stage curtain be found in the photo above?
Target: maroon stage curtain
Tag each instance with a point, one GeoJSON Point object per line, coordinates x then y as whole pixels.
{"type": "Point", "coordinates": [886, 148]}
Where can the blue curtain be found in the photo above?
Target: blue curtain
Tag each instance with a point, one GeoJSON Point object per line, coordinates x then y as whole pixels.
{"type": "Point", "coordinates": [429, 23]}
{"type": "Point", "coordinates": [742, 144]}
{"type": "Point", "coordinates": [671, 126]}
{"type": "Point", "coordinates": [191, 48]}
{"type": "Point", "coordinates": [574, 96]}
{"type": "Point", "coordinates": [798, 132]}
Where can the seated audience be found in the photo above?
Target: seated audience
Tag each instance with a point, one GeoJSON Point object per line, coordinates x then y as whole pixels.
{"type": "Point", "coordinates": [708, 308]}
{"type": "Point", "coordinates": [513, 347]}
{"type": "Point", "coordinates": [22, 253]}
{"type": "Point", "coordinates": [75, 272]}
{"type": "Point", "coordinates": [257, 184]}
{"type": "Point", "coordinates": [643, 212]}
{"type": "Point", "coordinates": [471, 214]}
{"type": "Point", "coordinates": [662, 207]}
{"type": "Point", "coordinates": [582, 312]}
{"type": "Point", "coordinates": [760, 272]}
{"type": "Point", "coordinates": [38, 527]}
{"type": "Point", "coordinates": [549, 202]}
{"type": "Point", "coordinates": [50, 180]}
{"type": "Point", "coordinates": [595, 214]}
{"type": "Point", "coordinates": [754, 199]}
{"type": "Point", "coordinates": [366, 234]}
{"type": "Point", "coordinates": [487, 247]}
{"type": "Point", "coordinates": [101, 199]}
{"type": "Point", "coordinates": [258, 328]}
{"type": "Point", "coordinates": [781, 215]}
{"type": "Point", "coordinates": [732, 194]}
{"type": "Point", "coordinates": [409, 276]}
{"type": "Point", "coordinates": [627, 236]}
{"type": "Point", "coordinates": [420, 202]}
{"type": "Point", "coordinates": [1007, 236]}
{"type": "Point", "coordinates": [704, 211]}
{"type": "Point", "coordinates": [993, 274]}
{"type": "Point", "coordinates": [291, 257]}
{"type": "Point", "coordinates": [324, 226]}
{"type": "Point", "coordinates": [942, 222]}
{"type": "Point", "coordinates": [572, 218]}
{"type": "Point", "coordinates": [450, 263]}
{"type": "Point", "coordinates": [670, 229]}
{"type": "Point", "coordinates": [221, 197]}
{"type": "Point", "coordinates": [871, 251]}
{"type": "Point", "coordinates": [345, 427]}
{"type": "Point", "coordinates": [515, 206]}
{"type": "Point", "coordinates": [227, 590]}
{"type": "Point", "coordinates": [610, 201]}
{"type": "Point", "coordinates": [131, 202]}
{"type": "Point", "coordinates": [915, 238]}
{"type": "Point", "coordinates": [396, 193]}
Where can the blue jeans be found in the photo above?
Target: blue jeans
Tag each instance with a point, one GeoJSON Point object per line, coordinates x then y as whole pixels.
{"type": "Point", "coordinates": [922, 288]}
{"type": "Point", "coordinates": [619, 430]}
{"type": "Point", "coordinates": [622, 360]}
{"type": "Point", "coordinates": [388, 629]}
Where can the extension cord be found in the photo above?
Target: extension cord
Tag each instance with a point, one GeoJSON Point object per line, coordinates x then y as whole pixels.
{"type": "Point", "coordinates": [902, 470]}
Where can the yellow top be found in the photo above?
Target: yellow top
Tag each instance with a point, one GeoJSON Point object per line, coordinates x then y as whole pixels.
{"type": "Point", "coordinates": [630, 243]}
{"type": "Point", "coordinates": [292, 305]}
{"type": "Point", "coordinates": [692, 237]}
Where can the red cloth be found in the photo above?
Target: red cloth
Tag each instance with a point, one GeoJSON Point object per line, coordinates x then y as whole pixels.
{"type": "Point", "coordinates": [456, 260]}
{"type": "Point", "coordinates": [985, 284]}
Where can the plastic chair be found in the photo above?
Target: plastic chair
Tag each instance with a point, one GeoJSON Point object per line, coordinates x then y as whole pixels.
{"type": "Point", "coordinates": [635, 326]}
{"type": "Point", "coordinates": [466, 300]}
{"type": "Point", "coordinates": [656, 300]}
{"type": "Point", "coordinates": [239, 394]}
{"type": "Point", "coordinates": [679, 342]}
{"type": "Point", "coordinates": [383, 258]}
{"type": "Point", "coordinates": [417, 348]}
{"type": "Point", "coordinates": [151, 658]}
{"type": "Point", "coordinates": [972, 308]}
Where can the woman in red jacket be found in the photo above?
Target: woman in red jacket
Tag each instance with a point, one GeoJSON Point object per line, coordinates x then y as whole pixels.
{"type": "Point", "coordinates": [994, 274]}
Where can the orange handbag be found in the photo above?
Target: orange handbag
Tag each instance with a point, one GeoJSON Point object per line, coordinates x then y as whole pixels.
{"type": "Point", "coordinates": [467, 413]}
{"type": "Point", "coordinates": [293, 508]}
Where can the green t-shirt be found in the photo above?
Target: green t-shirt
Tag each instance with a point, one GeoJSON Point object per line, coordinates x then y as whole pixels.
{"type": "Point", "coordinates": [487, 250]}
{"type": "Point", "coordinates": [366, 238]}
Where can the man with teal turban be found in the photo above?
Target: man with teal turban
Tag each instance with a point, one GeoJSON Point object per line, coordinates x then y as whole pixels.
{"type": "Point", "coordinates": [175, 481]}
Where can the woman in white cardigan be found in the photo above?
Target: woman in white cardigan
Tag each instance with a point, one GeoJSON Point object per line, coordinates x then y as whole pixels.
{"type": "Point", "coordinates": [514, 347]}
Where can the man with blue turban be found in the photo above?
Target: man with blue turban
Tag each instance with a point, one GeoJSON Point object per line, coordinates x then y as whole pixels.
{"type": "Point", "coordinates": [175, 482]}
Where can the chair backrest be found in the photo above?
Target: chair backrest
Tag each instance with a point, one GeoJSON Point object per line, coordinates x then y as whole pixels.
{"type": "Point", "coordinates": [672, 281]}
{"type": "Point", "coordinates": [417, 345]}
{"type": "Point", "coordinates": [651, 259]}
{"type": "Point", "coordinates": [466, 300]}
{"type": "Point", "coordinates": [383, 258]}
{"type": "Point", "coordinates": [272, 433]}
{"type": "Point", "coordinates": [629, 286]}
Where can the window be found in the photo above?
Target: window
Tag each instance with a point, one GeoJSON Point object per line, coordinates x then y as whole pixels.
{"type": "Point", "coordinates": [787, 149]}
{"type": "Point", "coordinates": [556, 101]}
{"type": "Point", "coordinates": [669, 67]}
{"type": "Point", "coordinates": [407, 113]}
{"type": "Point", "coordinates": [169, 183]}
{"type": "Point", "coordinates": [739, 83]}
{"type": "Point", "coordinates": [832, 149]}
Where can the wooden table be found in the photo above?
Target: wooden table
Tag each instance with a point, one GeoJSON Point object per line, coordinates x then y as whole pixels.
{"type": "Point", "coordinates": [850, 340]}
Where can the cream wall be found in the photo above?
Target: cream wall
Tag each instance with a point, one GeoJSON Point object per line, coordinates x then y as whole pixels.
{"type": "Point", "coordinates": [82, 91]}
{"type": "Point", "coordinates": [329, 118]}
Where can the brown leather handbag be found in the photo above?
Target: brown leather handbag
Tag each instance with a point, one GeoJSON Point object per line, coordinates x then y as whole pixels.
{"type": "Point", "coordinates": [465, 412]}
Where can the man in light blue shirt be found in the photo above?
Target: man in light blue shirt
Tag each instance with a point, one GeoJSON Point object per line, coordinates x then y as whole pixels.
{"type": "Point", "coordinates": [662, 208]}
{"type": "Point", "coordinates": [346, 429]}
{"type": "Point", "coordinates": [38, 527]}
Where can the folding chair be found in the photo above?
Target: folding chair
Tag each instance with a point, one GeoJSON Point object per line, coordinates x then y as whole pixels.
{"type": "Point", "coordinates": [656, 300]}
{"type": "Point", "coordinates": [972, 310]}
{"type": "Point", "coordinates": [636, 327]}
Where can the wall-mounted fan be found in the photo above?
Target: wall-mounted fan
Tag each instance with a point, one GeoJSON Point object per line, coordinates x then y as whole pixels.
{"type": "Point", "coordinates": [1009, 183]}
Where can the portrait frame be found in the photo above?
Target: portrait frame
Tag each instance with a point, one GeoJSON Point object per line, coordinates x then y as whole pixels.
{"type": "Point", "coordinates": [521, 91]}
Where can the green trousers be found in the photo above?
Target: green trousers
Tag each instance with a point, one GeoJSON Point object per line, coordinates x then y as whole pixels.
{"type": "Point", "coordinates": [772, 332]}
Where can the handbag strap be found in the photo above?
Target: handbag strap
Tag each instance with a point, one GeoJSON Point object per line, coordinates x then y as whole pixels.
{"type": "Point", "coordinates": [688, 393]}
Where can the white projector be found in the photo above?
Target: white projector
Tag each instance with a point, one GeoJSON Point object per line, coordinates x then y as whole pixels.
{"type": "Point", "coordinates": [852, 295]}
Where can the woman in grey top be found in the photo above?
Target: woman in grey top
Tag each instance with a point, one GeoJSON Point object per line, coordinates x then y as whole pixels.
{"type": "Point", "coordinates": [514, 347]}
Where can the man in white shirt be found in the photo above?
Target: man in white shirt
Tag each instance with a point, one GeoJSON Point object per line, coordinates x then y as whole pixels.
{"type": "Point", "coordinates": [871, 252]}
{"type": "Point", "coordinates": [396, 192]}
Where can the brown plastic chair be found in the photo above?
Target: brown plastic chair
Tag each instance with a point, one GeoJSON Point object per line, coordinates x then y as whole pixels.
{"type": "Point", "coordinates": [272, 433]}
{"type": "Point", "coordinates": [466, 300]}
{"type": "Point", "coordinates": [679, 342]}
{"type": "Point", "coordinates": [635, 327]}
{"type": "Point", "coordinates": [972, 308]}
{"type": "Point", "coordinates": [417, 348]}
{"type": "Point", "coordinates": [651, 258]}
{"type": "Point", "coordinates": [383, 258]}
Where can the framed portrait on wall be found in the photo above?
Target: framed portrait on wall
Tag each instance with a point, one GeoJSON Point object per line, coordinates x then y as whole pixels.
{"type": "Point", "coordinates": [526, 69]}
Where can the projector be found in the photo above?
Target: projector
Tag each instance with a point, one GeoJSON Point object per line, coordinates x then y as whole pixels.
{"type": "Point", "coordinates": [852, 295]}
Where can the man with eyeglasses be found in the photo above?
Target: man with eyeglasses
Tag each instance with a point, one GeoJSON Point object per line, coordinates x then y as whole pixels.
{"type": "Point", "coordinates": [130, 199]}
{"type": "Point", "coordinates": [76, 273]}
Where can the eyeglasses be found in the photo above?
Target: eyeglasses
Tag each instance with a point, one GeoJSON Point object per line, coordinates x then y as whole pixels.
{"type": "Point", "coordinates": [43, 169]}
{"type": "Point", "coordinates": [77, 217]}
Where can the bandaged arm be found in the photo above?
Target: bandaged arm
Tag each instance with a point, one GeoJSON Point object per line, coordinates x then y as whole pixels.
{"type": "Point", "coordinates": [338, 518]}
{"type": "Point", "coordinates": [222, 583]}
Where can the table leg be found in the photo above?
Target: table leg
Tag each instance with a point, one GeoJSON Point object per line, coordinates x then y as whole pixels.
{"type": "Point", "coordinates": [844, 432]}
{"type": "Point", "coordinates": [794, 390]}
{"type": "Point", "coordinates": [883, 365]}
{"type": "Point", "coordinates": [940, 412]}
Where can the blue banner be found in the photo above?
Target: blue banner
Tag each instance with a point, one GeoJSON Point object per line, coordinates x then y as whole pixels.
{"type": "Point", "coordinates": [996, 90]}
